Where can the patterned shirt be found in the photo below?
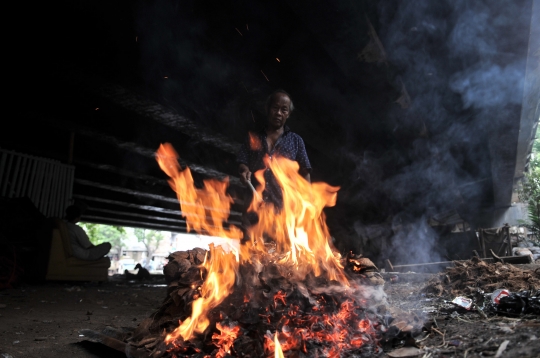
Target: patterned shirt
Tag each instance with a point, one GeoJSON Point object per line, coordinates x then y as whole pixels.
{"type": "Point", "coordinates": [289, 145]}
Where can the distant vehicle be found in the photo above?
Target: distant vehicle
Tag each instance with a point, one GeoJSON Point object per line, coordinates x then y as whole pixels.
{"type": "Point", "coordinates": [125, 264]}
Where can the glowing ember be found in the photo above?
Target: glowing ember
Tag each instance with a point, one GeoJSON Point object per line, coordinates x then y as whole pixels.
{"type": "Point", "coordinates": [225, 339]}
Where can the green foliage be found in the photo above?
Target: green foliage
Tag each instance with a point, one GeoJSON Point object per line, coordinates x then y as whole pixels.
{"type": "Point", "coordinates": [99, 233]}
{"type": "Point", "coordinates": [150, 239]}
{"type": "Point", "coordinates": [530, 191]}
{"type": "Point", "coordinates": [535, 161]}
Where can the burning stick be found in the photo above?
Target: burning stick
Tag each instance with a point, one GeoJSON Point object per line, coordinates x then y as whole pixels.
{"type": "Point", "coordinates": [255, 194]}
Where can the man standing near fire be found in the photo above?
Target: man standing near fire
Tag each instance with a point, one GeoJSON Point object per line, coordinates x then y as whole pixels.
{"type": "Point", "coordinates": [276, 139]}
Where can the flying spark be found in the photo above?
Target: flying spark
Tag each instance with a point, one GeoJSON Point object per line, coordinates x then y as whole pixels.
{"type": "Point", "coordinates": [239, 31]}
{"type": "Point", "coordinates": [265, 76]}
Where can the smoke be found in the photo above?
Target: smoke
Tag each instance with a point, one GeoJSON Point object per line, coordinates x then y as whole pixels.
{"type": "Point", "coordinates": [487, 87]}
{"type": "Point", "coordinates": [464, 74]}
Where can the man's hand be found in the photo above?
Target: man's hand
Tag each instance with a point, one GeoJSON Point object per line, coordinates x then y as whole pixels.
{"type": "Point", "coordinates": [245, 174]}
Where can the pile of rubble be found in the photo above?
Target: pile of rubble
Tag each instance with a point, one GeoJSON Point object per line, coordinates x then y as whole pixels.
{"type": "Point", "coordinates": [468, 277]}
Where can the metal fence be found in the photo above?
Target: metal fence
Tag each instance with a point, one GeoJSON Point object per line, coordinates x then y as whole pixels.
{"type": "Point", "coordinates": [48, 183]}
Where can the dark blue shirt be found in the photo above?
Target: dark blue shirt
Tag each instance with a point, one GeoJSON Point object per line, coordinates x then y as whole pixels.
{"type": "Point", "coordinates": [289, 145]}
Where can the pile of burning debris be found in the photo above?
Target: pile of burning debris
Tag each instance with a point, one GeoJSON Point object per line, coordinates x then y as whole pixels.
{"type": "Point", "coordinates": [312, 318]}
{"type": "Point", "coordinates": [281, 291]}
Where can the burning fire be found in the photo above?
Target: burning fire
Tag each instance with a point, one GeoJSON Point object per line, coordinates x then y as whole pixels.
{"type": "Point", "coordinates": [278, 352]}
{"type": "Point", "coordinates": [303, 248]}
{"type": "Point", "coordinates": [299, 229]}
{"type": "Point", "coordinates": [205, 210]}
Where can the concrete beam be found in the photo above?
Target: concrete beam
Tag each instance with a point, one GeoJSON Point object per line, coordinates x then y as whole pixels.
{"type": "Point", "coordinates": [142, 194]}
{"type": "Point", "coordinates": [123, 172]}
{"type": "Point", "coordinates": [127, 205]}
{"type": "Point", "coordinates": [131, 223]}
{"type": "Point", "coordinates": [133, 147]}
{"type": "Point", "coordinates": [146, 108]}
{"type": "Point", "coordinates": [135, 215]}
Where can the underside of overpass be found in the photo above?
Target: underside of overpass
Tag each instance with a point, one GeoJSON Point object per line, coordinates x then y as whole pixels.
{"type": "Point", "coordinates": [417, 110]}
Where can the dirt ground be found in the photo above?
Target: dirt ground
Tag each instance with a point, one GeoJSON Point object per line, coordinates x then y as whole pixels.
{"type": "Point", "coordinates": [43, 320]}
{"type": "Point", "coordinates": [461, 333]}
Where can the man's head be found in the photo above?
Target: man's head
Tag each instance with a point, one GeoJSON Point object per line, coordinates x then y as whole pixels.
{"type": "Point", "coordinates": [74, 213]}
{"type": "Point", "coordinates": [278, 108]}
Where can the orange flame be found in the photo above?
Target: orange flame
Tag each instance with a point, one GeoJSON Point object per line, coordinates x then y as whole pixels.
{"type": "Point", "coordinates": [205, 210]}
{"type": "Point", "coordinates": [298, 228]}
{"type": "Point", "coordinates": [278, 353]}
{"type": "Point", "coordinates": [254, 142]}
{"type": "Point", "coordinates": [221, 268]}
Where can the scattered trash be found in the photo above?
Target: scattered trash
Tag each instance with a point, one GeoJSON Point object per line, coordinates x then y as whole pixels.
{"type": "Point", "coordinates": [405, 352]}
{"type": "Point", "coordinates": [498, 294]}
{"type": "Point", "coordinates": [524, 302]}
{"type": "Point", "coordinates": [394, 278]}
{"type": "Point", "coordinates": [501, 349]}
{"type": "Point", "coordinates": [16, 342]}
{"type": "Point", "coordinates": [463, 302]}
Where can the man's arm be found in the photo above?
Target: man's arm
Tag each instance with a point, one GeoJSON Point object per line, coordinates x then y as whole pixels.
{"type": "Point", "coordinates": [303, 160]}
{"type": "Point", "coordinates": [242, 157]}
{"type": "Point", "coordinates": [82, 238]}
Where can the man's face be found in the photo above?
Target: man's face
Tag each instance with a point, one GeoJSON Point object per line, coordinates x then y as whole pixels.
{"type": "Point", "coordinates": [279, 110]}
